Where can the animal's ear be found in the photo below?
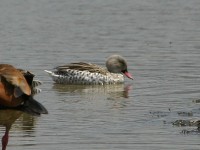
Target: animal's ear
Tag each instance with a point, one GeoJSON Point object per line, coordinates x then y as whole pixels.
{"type": "Point", "coordinates": [17, 92]}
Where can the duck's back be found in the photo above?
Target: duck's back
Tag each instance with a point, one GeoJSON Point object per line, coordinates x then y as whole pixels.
{"type": "Point", "coordinates": [84, 73]}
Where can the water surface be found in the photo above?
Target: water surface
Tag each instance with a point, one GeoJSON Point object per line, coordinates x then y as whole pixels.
{"type": "Point", "coordinates": [158, 38]}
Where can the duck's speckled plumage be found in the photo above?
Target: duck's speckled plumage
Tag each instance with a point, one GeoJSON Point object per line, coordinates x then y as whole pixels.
{"type": "Point", "coordinates": [85, 73]}
{"type": "Point", "coordinates": [70, 76]}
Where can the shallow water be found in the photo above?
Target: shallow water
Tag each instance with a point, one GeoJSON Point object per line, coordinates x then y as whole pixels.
{"type": "Point", "coordinates": [160, 41]}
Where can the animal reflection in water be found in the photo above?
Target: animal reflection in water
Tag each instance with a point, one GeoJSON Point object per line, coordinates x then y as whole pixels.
{"type": "Point", "coordinates": [8, 118]}
{"type": "Point", "coordinates": [114, 91]}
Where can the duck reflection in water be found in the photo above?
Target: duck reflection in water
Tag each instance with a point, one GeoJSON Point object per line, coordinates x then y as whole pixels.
{"type": "Point", "coordinates": [115, 90]}
{"type": "Point", "coordinates": [8, 118]}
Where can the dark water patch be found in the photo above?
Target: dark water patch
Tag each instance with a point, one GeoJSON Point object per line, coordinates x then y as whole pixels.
{"type": "Point", "coordinates": [159, 114]}
{"type": "Point", "coordinates": [185, 114]}
{"type": "Point", "coordinates": [181, 123]}
{"type": "Point", "coordinates": [196, 101]}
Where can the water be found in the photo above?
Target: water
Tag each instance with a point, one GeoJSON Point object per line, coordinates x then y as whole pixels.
{"type": "Point", "coordinates": [158, 38]}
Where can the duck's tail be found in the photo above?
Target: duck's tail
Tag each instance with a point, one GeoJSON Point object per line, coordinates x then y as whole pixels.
{"type": "Point", "coordinates": [52, 73]}
{"type": "Point", "coordinates": [49, 72]}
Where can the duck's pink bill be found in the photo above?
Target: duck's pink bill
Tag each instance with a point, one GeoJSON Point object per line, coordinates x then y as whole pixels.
{"type": "Point", "coordinates": [128, 75]}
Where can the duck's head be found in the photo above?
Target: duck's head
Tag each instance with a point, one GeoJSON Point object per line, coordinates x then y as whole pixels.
{"type": "Point", "coordinates": [117, 64]}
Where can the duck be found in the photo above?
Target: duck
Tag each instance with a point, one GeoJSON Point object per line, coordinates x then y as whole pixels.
{"type": "Point", "coordinates": [91, 74]}
{"type": "Point", "coordinates": [16, 90]}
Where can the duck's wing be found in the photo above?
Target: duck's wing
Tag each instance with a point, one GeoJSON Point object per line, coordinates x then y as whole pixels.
{"type": "Point", "coordinates": [83, 66]}
{"type": "Point", "coordinates": [15, 78]}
